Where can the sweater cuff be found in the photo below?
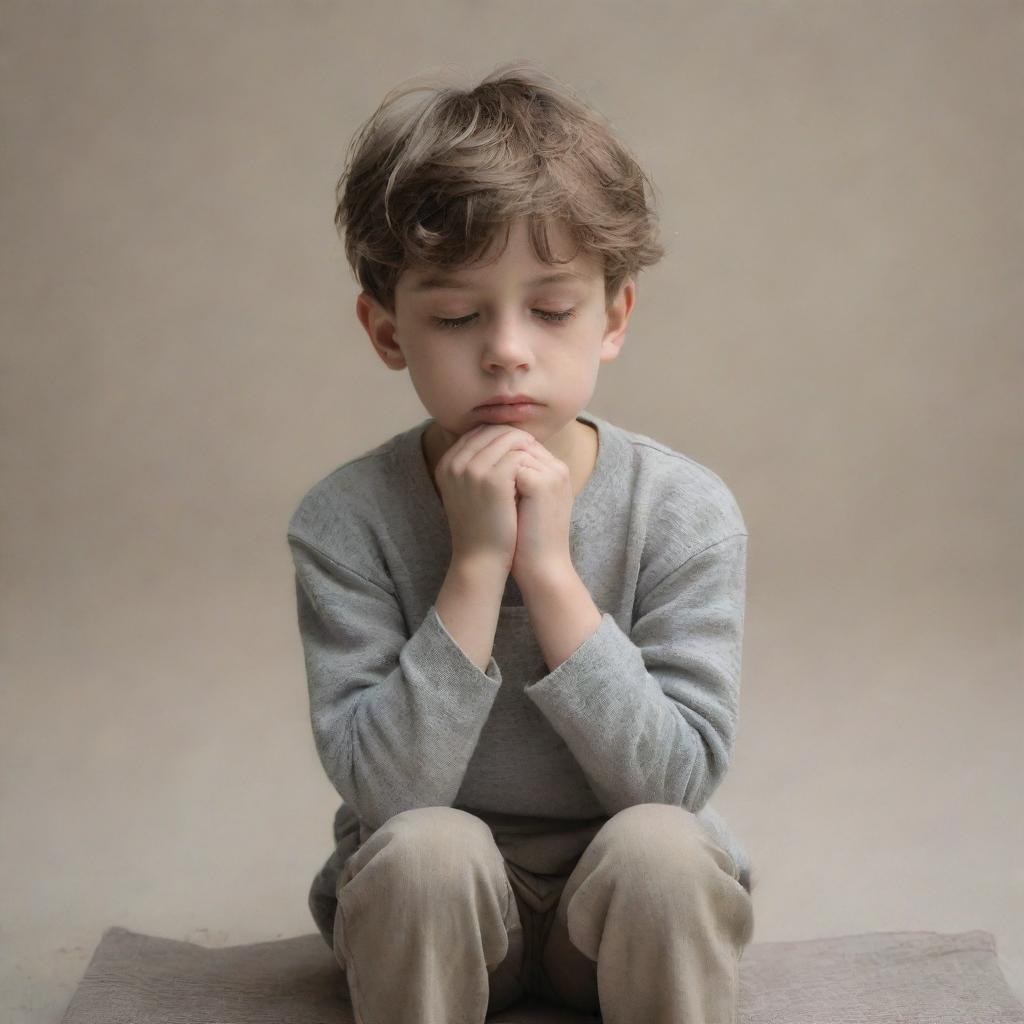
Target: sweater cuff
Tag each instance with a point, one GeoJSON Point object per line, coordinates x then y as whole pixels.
{"type": "Point", "coordinates": [435, 652]}
{"type": "Point", "coordinates": [581, 681]}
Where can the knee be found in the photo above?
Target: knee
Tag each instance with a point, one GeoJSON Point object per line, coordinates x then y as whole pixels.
{"type": "Point", "coordinates": [438, 831]}
{"type": "Point", "coordinates": [436, 844]}
{"type": "Point", "coordinates": [663, 838]}
{"type": "Point", "coordinates": [647, 826]}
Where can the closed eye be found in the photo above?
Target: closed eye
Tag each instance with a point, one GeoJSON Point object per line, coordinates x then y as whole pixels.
{"type": "Point", "coordinates": [462, 321]}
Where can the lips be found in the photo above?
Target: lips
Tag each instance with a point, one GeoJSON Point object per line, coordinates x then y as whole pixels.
{"type": "Point", "coordinates": [508, 412]}
{"type": "Point", "coordinates": [507, 400]}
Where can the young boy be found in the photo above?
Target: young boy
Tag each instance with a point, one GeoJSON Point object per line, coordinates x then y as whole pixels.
{"type": "Point", "coordinates": [522, 624]}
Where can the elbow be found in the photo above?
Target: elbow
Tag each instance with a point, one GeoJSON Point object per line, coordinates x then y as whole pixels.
{"type": "Point", "coordinates": [707, 771]}
{"type": "Point", "coordinates": [335, 752]}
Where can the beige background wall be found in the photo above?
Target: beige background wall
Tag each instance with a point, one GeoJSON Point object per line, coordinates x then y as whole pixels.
{"type": "Point", "coordinates": [836, 330]}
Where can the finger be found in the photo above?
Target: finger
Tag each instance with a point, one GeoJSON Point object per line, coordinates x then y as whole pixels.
{"type": "Point", "coordinates": [489, 448]}
{"type": "Point", "coordinates": [537, 449]}
{"type": "Point", "coordinates": [466, 445]}
{"type": "Point", "coordinates": [511, 462]}
{"type": "Point", "coordinates": [530, 461]}
{"type": "Point", "coordinates": [529, 466]}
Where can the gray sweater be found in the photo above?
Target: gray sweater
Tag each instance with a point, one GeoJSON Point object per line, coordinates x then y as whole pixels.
{"type": "Point", "coordinates": [644, 711]}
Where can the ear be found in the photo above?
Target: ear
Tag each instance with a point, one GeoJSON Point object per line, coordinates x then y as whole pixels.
{"type": "Point", "coordinates": [617, 318]}
{"type": "Point", "coordinates": [380, 326]}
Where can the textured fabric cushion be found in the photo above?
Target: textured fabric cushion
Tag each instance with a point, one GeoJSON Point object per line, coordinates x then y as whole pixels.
{"type": "Point", "coordinates": [910, 977]}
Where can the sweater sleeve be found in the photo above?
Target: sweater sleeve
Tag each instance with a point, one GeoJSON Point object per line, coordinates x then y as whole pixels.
{"type": "Point", "coordinates": [651, 717]}
{"type": "Point", "coordinates": [395, 717]}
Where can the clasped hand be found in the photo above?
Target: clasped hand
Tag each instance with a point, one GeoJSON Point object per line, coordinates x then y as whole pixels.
{"type": "Point", "coordinates": [544, 497]}
{"type": "Point", "coordinates": [505, 492]}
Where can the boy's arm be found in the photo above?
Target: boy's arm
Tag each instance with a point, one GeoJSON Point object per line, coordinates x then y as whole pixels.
{"type": "Point", "coordinates": [395, 717]}
{"type": "Point", "coordinates": [652, 717]}
{"type": "Point", "coordinates": [468, 605]}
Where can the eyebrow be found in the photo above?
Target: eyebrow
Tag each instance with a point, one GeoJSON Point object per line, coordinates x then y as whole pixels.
{"type": "Point", "coordinates": [435, 281]}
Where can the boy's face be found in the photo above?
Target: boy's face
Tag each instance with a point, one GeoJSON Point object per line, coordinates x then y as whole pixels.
{"type": "Point", "coordinates": [512, 335]}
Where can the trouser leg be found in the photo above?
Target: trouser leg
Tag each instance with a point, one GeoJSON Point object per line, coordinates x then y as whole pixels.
{"type": "Point", "coordinates": [426, 916]}
{"type": "Point", "coordinates": [654, 908]}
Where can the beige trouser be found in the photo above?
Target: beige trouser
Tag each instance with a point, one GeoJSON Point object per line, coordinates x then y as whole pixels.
{"type": "Point", "coordinates": [444, 916]}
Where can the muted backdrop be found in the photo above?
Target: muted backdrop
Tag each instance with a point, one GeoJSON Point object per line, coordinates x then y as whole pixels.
{"type": "Point", "coordinates": [836, 330]}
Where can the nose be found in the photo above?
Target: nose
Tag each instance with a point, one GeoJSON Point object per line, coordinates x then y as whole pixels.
{"type": "Point", "coordinates": [506, 345]}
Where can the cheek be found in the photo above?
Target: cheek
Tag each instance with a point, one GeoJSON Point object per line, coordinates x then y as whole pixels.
{"type": "Point", "coordinates": [445, 367]}
{"type": "Point", "coordinates": [582, 349]}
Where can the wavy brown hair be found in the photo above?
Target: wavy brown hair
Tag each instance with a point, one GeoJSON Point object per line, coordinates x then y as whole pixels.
{"type": "Point", "coordinates": [432, 183]}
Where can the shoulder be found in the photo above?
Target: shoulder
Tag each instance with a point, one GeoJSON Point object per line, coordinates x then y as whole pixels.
{"type": "Point", "coordinates": [679, 505]}
{"type": "Point", "coordinates": [683, 489]}
{"type": "Point", "coordinates": [340, 515]}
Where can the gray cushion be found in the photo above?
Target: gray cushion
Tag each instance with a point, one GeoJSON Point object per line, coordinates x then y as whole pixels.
{"type": "Point", "coordinates": [925, 977]}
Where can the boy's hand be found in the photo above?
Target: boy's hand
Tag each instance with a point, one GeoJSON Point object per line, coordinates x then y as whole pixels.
{"type": "Point", "coordinates": [544, 484]}
{"type": "Point", "coordinates": [477, 480]}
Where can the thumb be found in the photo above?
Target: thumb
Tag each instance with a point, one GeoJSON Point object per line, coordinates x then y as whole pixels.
{"type": "Point", "coordinates": [524, 484]}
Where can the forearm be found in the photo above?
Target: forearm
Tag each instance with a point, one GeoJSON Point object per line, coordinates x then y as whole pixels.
{"type": "Point", "coordinates": [468, 605]}
{"type": "Point", "coordinates": [396, 717]}
{"type": "Point", "coordinates": [650, 708]}
{"type": "Point", "coordinates": [562, 612]}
